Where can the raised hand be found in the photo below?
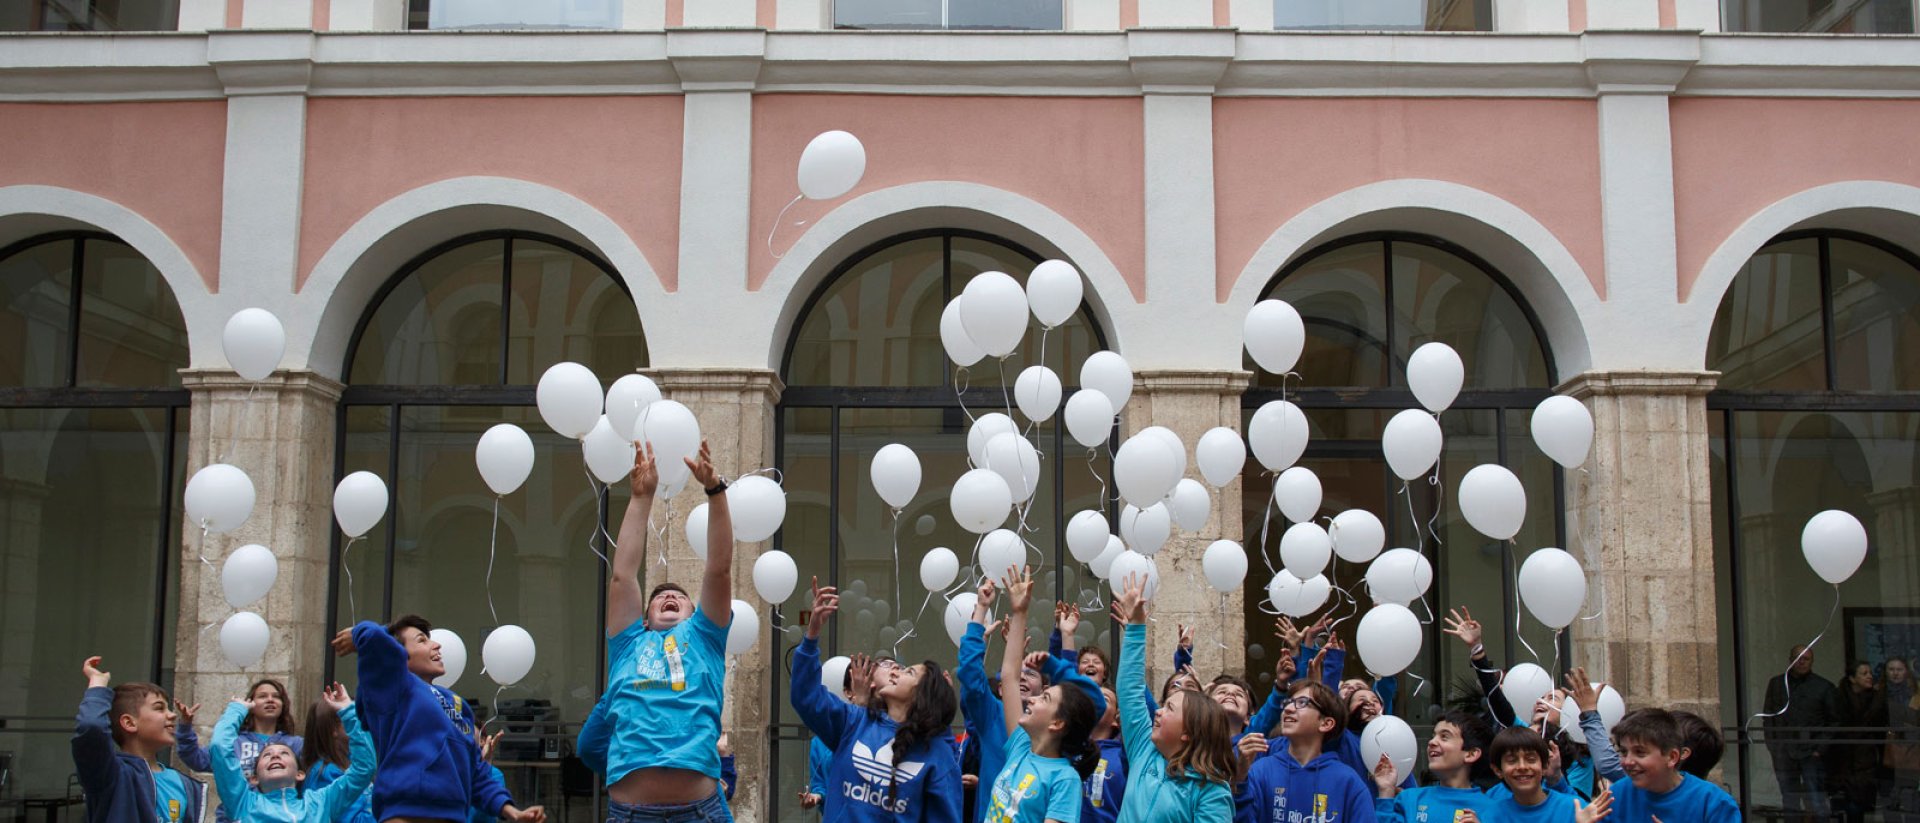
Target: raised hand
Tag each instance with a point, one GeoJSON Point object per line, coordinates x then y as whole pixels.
{"type": "Point", "coordinates": [1316, 668]}
{"type": "Point", "coordinates": [95, 677]}
{"type": "Point", "coordinates": [703, 470]}
{"type": "Point", "coordinates": [1383, 783]}
{"type": "Point", "coordinates": [860, 680]}
{"type": "Point", "coordinates": [536, 814]}
{"type": "Point", "coordinates": [646, 473]}
{"type": "Point", "coordinates": [1601, 806]}
{"type": "Point", "coordinates": [342, 643]}
{"type": "Point", "coordinates": [724, 746]}
{"type": "Point", "coordinates": [1460, 623]}
{"type": "Point", "coordinates": [1131, 606]}
{"type": "Point", "coordinates": [984, 597]}
{"type": "Point", "coordinates": [1066, 618]}
{"type": "Point", "coordinates": [489, 744]}
{"type": "Point", "coordinates": [1251, 746]}
{"type": "Point", "coordinates": [1285, 668]}
{"type": "Point", "coordinates": [1036, 661]}
{"type": "Point", "coordinates": [1585, 695]}
{"type": "Point", "coordinates": [1019, 588]}
{"type": "Point", "coordinates": [185, 711]}
{"type": "Point", "coordinates": [1289, 634]}
{"type": "Point", "coordinates": [1185, 634]}
{"type": "Point", "coordinates": [825, 602]}
{"type": "Point", "coordinates": [337, 697]}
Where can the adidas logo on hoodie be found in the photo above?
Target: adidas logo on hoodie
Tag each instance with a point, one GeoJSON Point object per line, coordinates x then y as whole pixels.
{"type": "Point", "coordinates": [877, 769]}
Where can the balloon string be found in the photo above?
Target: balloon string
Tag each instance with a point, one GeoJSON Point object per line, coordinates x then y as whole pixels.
{"type": "Point", "coordinates": [1439, 500]}
{"type": "Point", "coordinates": [1786, 686]}
{"type": "Point", "coordinates": [913, 629]}
{"type": "Point", "coordinates": [960, 386]}
{"type": "Point", "coordinates": [495, 713]}
{"type": "Point", "coordinates": [1419, 540]}
{"type": "Point", "coordinates": [896, 577]}
{"type": "Point", "coordinates": [1556, 650]}
{"type": "Point", "coordinates": [202, 548]}
{"type": "Point", "coordinates": [1223, 619]}
{"type": "Point", "coordinates": [353, 609]}
{"type": "Point", "coordinates": [599, 492]}
{"type": "Point", "coordinates": [776, 225]}
{"type": "Point", "coordinates": [1266, 519]}
{"type": "Point", "coordinates": [1517, 616]}
{"type": "Point", "coordinates": [491, 542]}
{"type": "Point", "coordinates": [665, 527]}
{"type": "Point", "coordinates": [1094, 470]}
{"type": "Point", "coordinates": [1006, 400]}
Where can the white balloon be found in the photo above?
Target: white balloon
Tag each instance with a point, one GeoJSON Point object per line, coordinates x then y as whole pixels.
{"type": "Point", "coordinates": [1017, 462]}
{"type": "Point", "coordinates": [1089, 416]}
{"type": "Point", "coordinates": [833, 674]}
{"type": "Point", "coordinates": [1274, 335]}
{"type": "Point", "coordinates": [608, 453]}
{"type": "Point", "coordinates": [953, 335]}
{"type": "Point", "coordinates": [359, 502]}
{"type": "Point", "coordinates": [959, 613]}
{"type": "Point", "coordinates": [1278, 434]}
{"type": "Point", "coordinates": [675, 435]}
{"type": "Point", "coordinates": [219, 498]}
{"type": "Point", "coordinates": [505, 457]}
{"type": "Point", "coordinates": [697, 531]}
{"type": "Point", "coordinates": [938, 569]}
{"type": "Point", "coordinates": [1221, 455]}
{"type": "Point", "coordinates": [1563, 429]}
{"type": "Point", "coordinates": [1146, 530]}
{"type": "Point", "coordinates": [1225, 564]}
{"type": "Point", "coordinates": [1553, 587]}
{"type": "Point", "coordinates": [243, 639]}
{"type": "Point", "coordinates": [453, 656]}
{"type": "Point", "coordinates": [508, 654]}
{"type": "Point", "coordinates": [1001, 550]}
{"type": "Point", "coordinates": [774, 576]}
{"type": "Point", "coordinates": [896, 474]}
{"type": "Point", "coordinates": [1144, 470]}
{"type": "Point", "coordinates": [1191, 504]}
{"type": "Point", "coordinates": [994, 312]}
{"type": "Point", "coordinates": [1493, 501]}
{"type": "Point", "coordinates": [626, 399]}
{"type": "Point", "coordinates": [1399, 576]}
{"type": "Point", "coordinates": [1108, 373]}
{"type": "Point", "coordinates": [1434, 372]}
{"type": "Point", "coordinates": [1524, 685]}
{"type": "Point", "coordinates": [1411, 441]}
{"type": "Point", "coordinates": [248, 574]}
{"type": "Point", "coordinates": [1389, 639]}
{"type": "Point", "coordinates": [1834, 543]}
{"type": "Point", "coordinates": [1037, 392]}
{"type": "Point", "coordinates": [1358, 535]}
{"type": "Point", "coordinates": [1153, 579]}
{"type": "Point", "coordinates": [984, 429]}
{"type": "Point", "coordinates": [1298, 492]}
{"type": "Point", "coordinates": [1054, 291]}
{"type": "Point", "coordinates": [1130, 563]}
{"type": "Point", "coordinates": [1612, 708]}
{"type": "Point", "coordinates": [758, 506]}
{"type": "Point", "coordinates": [1389, 735]}
{"type": "Point", "coordinates": [831, 165]}
{"type": "Point", "coordinates": [1294, 597]}
{"type": "Point", "coordinates": [745, 628]}
{"type": "Point", "coordinates": [569, 399]}
{"type": "Point", "coordinates": [1087, 535]}
{"type": "Point", "coordinates": [1305, 549]}
{"type": "Point", "coordinates": [1174, 444]}
{"type": "Point", "coordinates": [980, 501]}
{"type": "Point", "coordinates": [254, 341]}
{"type": "Point", "coordinates": [1102, 565]}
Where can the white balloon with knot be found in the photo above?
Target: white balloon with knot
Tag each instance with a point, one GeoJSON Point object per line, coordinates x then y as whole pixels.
{"type": "Point", "coordinates": [1297, 491]}
{"type": "Point", "coordinates": [1146, 530]}
{"type": "Point", "coordinates": [1411, 442]}
{"type": "Point", "coordinates": [674, 433]}
{"type": "Point", "coordinates": [1016, 460]}
{"type": "Point", "coordinates": [896, 475]}
{"type": "Point", "coordinates": [831, 165]}
{"type": "Point", "coordinates": [505, 457]}
{"type": "Point", "coordinates": [244, 638]}
{"type": "Point", "coordinates": [254, 341]}
{"type": "Point", "coordinates": [1221, 455]}
{"type": "Point", "coordinates": [758, 506]}
{"type": "Point", "coordinates": [1305, 549]}
{"type": "Point", "coordinates": [938, 569]}
{"type": "Point", "coordinates": [1358, 535]}
{"type": "Point", "coordinates": [774, 576]}
{"type": "Point", "coordinates": [1524, 685]}
{"type": "Point", "coordinates": [1294, 597]}
{"type": "Point", "coordinates": [608, 453]}
{"type": "Point", "coordinates": [1278, 434]}
{"type": "Point", "coordinates": [1037, 393]}
{"type": "Point", "coordinates": [569, 399]}
{"type": "Point", "coordinates": [953, 336]}
{"type": "Point", "coordinates": [1835, 544]}
{"type": "Point", "coordinates": [1225, 565]}
{"type": "Point", "coordinates": [627, 399]}
{"type": "Point", "coordinates": [1563, 429]}
{"type": "Point", "coordinates": [1435, 373]}
{"type": "Point", "coordinates": [980, 501]}
{"type": "Point", "coordinates": [1191, 504]}
{"type": "Point", "coordinates": [1391, 737]}
{"type": "Point", "coordinates": [1493, 501]}
{"type": "Point", "coordinates": [1089, 416]}
{"type": "Point", "coordinates": [1001, 550]}
{"type": "Point", "coordinates": [248, 574]}
{"type": "Point", "coordinates": [1274, 335]}
{"type": "Point", "coordinates": [1087, 535]}
{"type": "Point", "coordinates": [1145, 470]}
{"type": "Point", "coordinates": [1553, 587]}
{"type": "Point", "coordinates": [507, 654]}
{"type": "Point", "coordinates": [1399, 576]}
{"type": "Point", "coordinates": [1102, 564]}
{"type": "Point", "coordinates": [359, 502]}
{"type": "Point", "coordinates": [1054, 292]}
{"type": "Point", "coordinates": [219, 498]}
{"type": "Point", "coordinates": [697, 531]}
{"type": "Point", "coordinates": [1388, 639]}
{"type": "Point", "coordinates": [984, 429]}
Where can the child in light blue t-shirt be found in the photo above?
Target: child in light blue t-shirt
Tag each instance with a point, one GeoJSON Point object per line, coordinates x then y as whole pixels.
{"type": "Point", "coordinates": [1650, 744]}
{"type": "Point", "coordinates": [1049, 747]}
{"type": "Point", "coordinates": [1520, 758]}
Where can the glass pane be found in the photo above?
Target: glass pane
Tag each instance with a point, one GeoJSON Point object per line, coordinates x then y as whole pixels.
{"type": "Point", "coordinates": [878, 324]}
{"type": "Point", "coordinates": [524, 14]}
{"type": "Point", "coordinates": [888, 14]}
{"type": "Point", "coordinates": [1005, 14]}
{"type": "Point", "coordinates": [36, 304]}
{"type": "Point", "coordinates": [131, 330]}
{"type": "Point", "coordinates": [438, 326]}
{"type": "Point", "coordinates": [1389, 15]}
{"type": "Point", "coordinates": [1767, 333]}
{"type": "Point", "coordinates": [1823, 16]}
{"type": "Point", "coordinates": [1876, 318]}
{"type": "Point", "coordinates": [1437, 296]}
{"type": "Point", "coordinates": [1341, 298]}
{"type": "Point", "coordinates": [1066, 347]}
{"type": "Point", "coordinates": [83, 518]}
{"type": "Point", "coordinates": [560, 303]}
{"type": "Point", "coordinates": [91, 15]}
{"type": "Point", "coordinates": [362, 585]}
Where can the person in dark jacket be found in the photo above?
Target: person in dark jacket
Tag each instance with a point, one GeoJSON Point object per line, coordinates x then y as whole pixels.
{"type": "Point", "coordinates": [118, 736]}
{"type": "Point", "coordinates": [1854, 762]}
{"type": "Point", "coordinates": [1796, 703]}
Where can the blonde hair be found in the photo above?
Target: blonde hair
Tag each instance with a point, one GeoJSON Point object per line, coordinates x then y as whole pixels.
{"type": "Point", "coordinates": [1208, 749]}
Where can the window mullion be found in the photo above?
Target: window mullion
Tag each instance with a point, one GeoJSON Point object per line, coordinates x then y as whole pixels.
{"type": "Point", "coordinates": [75, 290]}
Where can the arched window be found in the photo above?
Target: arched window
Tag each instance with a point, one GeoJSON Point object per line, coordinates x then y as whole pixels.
{"type": "Point", "coordinates": [1818, 345]}
{"type": "Point", "coordinates": [865, 368]}
{"type": "Point", "coordinates": [451, 346]}
{"type": "Point", "coordinates": [1367, 302]}
{"type": "Point", "coordinates": [93, 432]}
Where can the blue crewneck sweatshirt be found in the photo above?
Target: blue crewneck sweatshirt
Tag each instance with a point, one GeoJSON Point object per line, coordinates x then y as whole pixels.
{"type": "Point", "coordinates": [1559, 807]}
{"type": "Point", "coordinates": [1281, 789]}
{"type": "Point", "coordinates": [863, 783]}
{"type": "Point", "coordinates": [1433, 804]}
{"type": "Point", "coordinates": [1693, 800]}
{"type": "Point", "coordinates": [429, 764]}
{"type": "Point", "coordinates": [1107, 786]}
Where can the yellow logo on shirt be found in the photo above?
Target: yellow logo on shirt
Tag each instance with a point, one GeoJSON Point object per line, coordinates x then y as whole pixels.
{"type": "Point", "coordinates": [173, 810]}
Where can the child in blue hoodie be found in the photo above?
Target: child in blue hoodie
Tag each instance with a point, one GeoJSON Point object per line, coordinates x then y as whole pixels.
{"type": "Point", "coordinates": [1456, 754]}
{"type": "Point", "coordinates": [430, 764]}
{"type": "Point", "coordinates": [1049, 748]}
{"type": "Point", "coordinates": [1106, 788]}
{"type": "Point", "coordinates": [1520, 758]}
{"type": "Point", "coordinates": [270, 722]}
{"type": "Point", "coordinates": [892, 761]}
{"type": "Point", "coordinates": [1304, 779]}
{"type": "Point", "coordinates": [118, 736]}
{"type": "Point", "coordinates": [271, 793]}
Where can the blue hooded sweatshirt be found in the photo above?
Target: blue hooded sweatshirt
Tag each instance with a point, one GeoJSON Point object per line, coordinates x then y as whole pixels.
{"type": "Point", "coordinates": [323, 774]}
{"type": "Point", "coordinates": [1107, 786]}
{"type": "Point", "coordinates": [288, 805]}
{"type": "Point", "coordinates": [863, 783]}
{"type": "Point", "coordinates": [118, 786]}
{"type": "Point", "coordinates": [1280, 789]}
{"type": "Point", "coordinates": [429, 764]}
{"type": "Point", "coordinates": [985, 715]}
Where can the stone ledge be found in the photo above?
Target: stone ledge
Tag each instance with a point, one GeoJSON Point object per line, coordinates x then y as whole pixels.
{"type": "Point", "coordinates": [284, 380]}
{"type": "Point", "coordinates": [1195, 380]}
{"type": "Point", "coordinates": [1615, 383]}
{"type": "Point", "coordinates": [764, 381]}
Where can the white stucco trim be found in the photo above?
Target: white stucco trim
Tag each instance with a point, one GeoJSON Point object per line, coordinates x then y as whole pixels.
{"type": "Point", "coordinates": [1553, 283]}
{"type": "Point", "coordinates": [346, 277]}
{"type": "Point", "coordinates": [29, 210]}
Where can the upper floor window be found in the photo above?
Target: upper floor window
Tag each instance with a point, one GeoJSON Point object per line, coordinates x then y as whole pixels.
{"type": "Point", "coordinates": [1819, 16]}
{"type": "Point", "coordinates": [1035, 15]}
{"type": "Point", "coordinates": [90, 15]}
{"type": "Point", "coordinates": [513, 14]}
{"type": "Point", "coordinates": [1384, 15]}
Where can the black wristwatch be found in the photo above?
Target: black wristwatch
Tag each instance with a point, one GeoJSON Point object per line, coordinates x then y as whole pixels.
{"type": "Point", "coordinates": [716, 488]}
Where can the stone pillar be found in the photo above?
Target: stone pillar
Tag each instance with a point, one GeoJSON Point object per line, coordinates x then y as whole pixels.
{"type": "Point", "coordinates": [279, 431]}
{"type": "Point", "coordinates": [1190, 403]}
{"type": "Point", "coordinates": [735, 408]}
{"type": "Point", "coordinates": [1640, 518]}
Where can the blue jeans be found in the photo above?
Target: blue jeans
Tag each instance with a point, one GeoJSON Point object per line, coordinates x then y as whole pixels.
{"type": "Point", "coordinates": [711, 810]}
{"type": "Point", "coordinates": [1803, 785]}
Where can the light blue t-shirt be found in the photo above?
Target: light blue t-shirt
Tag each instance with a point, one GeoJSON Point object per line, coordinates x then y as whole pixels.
{"type": "Point", "coordinates": [170, 795]}
{"type": "Point", "coordinates": [664, 691]}
{"type": "Point", "coordinates": [1434, 804]}
{"type": "Point", "coordinates": [1558, 808]}
{"type": "Point", "coordinates": [1694, 799]}
{"type": "Point", "coordinates": [1031, 788]}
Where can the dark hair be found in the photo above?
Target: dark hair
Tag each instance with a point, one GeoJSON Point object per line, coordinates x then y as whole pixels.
{"type": "Point", "coordinates": [409, 621]}
{"type": "Point", "coordinates": [1704, 744]}
{"type": "Point", "coordinates": [1106, 673]}
{"type": "Point", "coordinates": [1657, 727]}
{"type": "Point", "coordinates": [127, 699]}
{"type": "Point", "coordinates": [1076, 739]}
{"type": "Point", "coordinates": [326, 739]}
{"type": "Point", "coordinates": [1166, 688]}
{"type": "Point", "coordinates": [283, 724]}
{"type": "Point", "coordinates": [928, 716]}
{"type": "Point", "coordinates": [1475, 734]}
{"type": "Point", "coordinates": [1514, 739]}
{"type": "Point", "coordinates": [1326, 701]}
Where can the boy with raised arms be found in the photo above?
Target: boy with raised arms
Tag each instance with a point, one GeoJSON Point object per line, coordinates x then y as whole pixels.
{"type": "Point", "coordinates": [117, 740]}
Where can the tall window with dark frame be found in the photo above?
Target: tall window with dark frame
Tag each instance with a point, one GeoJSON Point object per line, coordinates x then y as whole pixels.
{"type": "Point", "coordinates": [1368, 301]}
{"type": "Point", "coordinates": [865, 368]}
{"type": "Point", "coordinates": [452, 345]}
{"type": "Point", "coordinates": [93, 434]}
{"type": "Point", "coordinates": [1817, 342]}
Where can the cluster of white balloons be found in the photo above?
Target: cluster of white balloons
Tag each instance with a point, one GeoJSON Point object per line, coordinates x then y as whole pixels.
{"type": "Point", "coordinates": [219, 497]}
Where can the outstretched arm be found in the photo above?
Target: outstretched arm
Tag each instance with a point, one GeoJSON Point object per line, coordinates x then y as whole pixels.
{"type": "Point", "coordinates": [228, 781]}
{"type": "Point", "coordinates": [93, 749]}
{"type": "Point", "coordinates": [716, 587]}
{"type": "Point", "coordinates": [624, 603]}
{"type": "Point", "coordinates": [1019, 597]}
